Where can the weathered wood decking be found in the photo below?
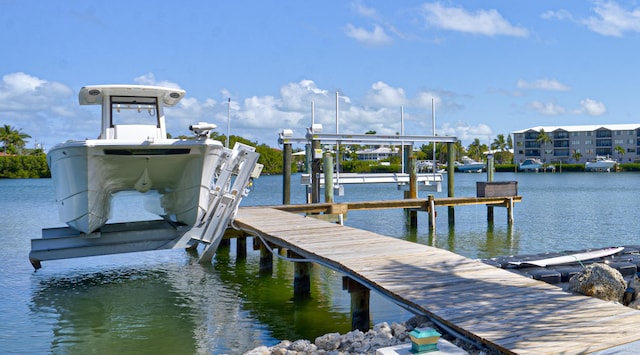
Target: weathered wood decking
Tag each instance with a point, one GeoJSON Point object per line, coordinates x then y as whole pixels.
{"type": "Point", "coordinates": [503, 310]}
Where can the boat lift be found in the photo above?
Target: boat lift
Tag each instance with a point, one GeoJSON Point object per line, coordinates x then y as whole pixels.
{"type": "Point", "coordinates": [425, 181]}
{"type": "Point", "coordinates": [235, 170]}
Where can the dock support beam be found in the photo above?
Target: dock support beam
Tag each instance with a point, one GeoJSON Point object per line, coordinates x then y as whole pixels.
{"type": "Point", "coordinates": [413, 189]}
{"type": "Point", "coordinates": [301, 278]}
{"type": "Point", "coordinates": [510, 211]}
{"type": "Point", "coordinates": [328, 177]}
{"type": "Point", "coordinates": [360, 318]}
{"type": "Point", "coordinates": [432, 213]}
{"type": "Point", "coordinates": [266, 257]}
{"type": "Point", "coordinates": [451, 158]}
{"type": "Point", "coordinates": [241, 248]}
{"type": "Point", "coordinates": [286, 174]}
{"type": "Point", "coordinates": [490, 179]}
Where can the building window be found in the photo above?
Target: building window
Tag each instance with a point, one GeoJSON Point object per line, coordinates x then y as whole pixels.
{"type": "Point", "coordinates": [588, 142]}
{"type": "Point", "coordinates": [575, 142]}
{"type": "Point", "coordinates": [618, 141]}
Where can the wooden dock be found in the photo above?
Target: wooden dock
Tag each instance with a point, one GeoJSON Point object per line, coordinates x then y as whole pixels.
{"type": "Point", "coordinates": [500, 309]}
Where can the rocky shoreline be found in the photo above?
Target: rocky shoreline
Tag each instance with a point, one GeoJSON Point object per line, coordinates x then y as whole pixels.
{"type": "Point", "coordinates": [357, 342]}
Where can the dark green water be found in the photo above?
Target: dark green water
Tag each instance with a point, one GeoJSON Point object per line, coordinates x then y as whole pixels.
{"type": "Point", "coordinates": [165, 302]}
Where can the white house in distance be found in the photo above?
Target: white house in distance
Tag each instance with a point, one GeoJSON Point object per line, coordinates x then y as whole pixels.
{"type": "Point", "coordinates": [377, 153]}
{"type": "Point", "coordinates": [588, 140]}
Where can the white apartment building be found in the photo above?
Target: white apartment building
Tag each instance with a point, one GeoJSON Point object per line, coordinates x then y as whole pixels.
{"type": "Point", "coordinates": [588, 141]}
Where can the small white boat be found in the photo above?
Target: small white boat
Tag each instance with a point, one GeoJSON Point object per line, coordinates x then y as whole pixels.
{"type": "Point", "coordinates": [530, 165]}
{"type": "Point", "coordinates": [133, 153]}
{"type": "Point", "coordinates": [600, 164]}
{"type": "Point", "coordinates": [469, 165]}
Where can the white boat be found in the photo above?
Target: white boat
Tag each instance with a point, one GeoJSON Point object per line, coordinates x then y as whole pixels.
{"type": "Point", "coordinates": [133, 153]}
{"type": "Point", "coordinates": [600, 164]}
{"type": "Point", "coordinates": [470, 165]}
{"type": "Point", "coordinates": [530, 165]}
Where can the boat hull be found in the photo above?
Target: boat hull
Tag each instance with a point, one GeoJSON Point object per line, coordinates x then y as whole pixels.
{"type": "Point", "coordinates": [87, 175]}
{"type": "Point", "coordinates": [600, 165]}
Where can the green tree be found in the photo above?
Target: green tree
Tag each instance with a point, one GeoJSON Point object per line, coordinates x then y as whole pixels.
{"type": "Point", "coordinates": [620, 152]}
{"type": "Point", "coordinates": [576, 156]}
{"type": "Point", "coordinates": [543, 139]}
{"type": "Point", "coordinates": [12, 139]}
{"type": "Point", "coordinates": [499, 143]}
{"type": "Point", "coordinates": [475, 149]}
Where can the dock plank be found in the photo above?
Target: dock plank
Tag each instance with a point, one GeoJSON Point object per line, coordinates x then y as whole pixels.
{"type": "Point", "coordinates": [504, 310]}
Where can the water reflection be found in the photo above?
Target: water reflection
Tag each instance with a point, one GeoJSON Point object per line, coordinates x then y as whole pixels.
{"type": "Point", "coordinates": [116, 311]}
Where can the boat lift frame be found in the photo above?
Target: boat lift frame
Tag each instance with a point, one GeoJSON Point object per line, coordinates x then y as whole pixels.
{"type": "Point", "coordinates": [234, 172]}
{"type": "Point", "coordinates": [315, 139]}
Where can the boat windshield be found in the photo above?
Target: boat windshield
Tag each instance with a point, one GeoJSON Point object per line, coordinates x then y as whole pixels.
{"type": "Point", "coordinates": [126, 110]}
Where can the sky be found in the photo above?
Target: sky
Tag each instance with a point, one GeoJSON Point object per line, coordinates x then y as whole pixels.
{"type": "Point", "coordinates": [489, 67]}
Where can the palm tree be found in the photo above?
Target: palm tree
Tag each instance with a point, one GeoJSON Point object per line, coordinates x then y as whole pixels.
{"type": "Point", "coordinates": [620, 151]}
{"type": "Point", "coordinates": [576, 156]}
{"type": "Point", "coordinates": [12, 138]}
{"type": "Point", "coordinates": [543, 138]}
{"type": "Point", "coordinates": [499, 144]}
{"type": "Point", "coordinates": [475, 149]}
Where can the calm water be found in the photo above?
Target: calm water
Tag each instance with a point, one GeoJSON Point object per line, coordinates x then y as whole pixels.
{"type": "Point", "coordinates": [165, 302]}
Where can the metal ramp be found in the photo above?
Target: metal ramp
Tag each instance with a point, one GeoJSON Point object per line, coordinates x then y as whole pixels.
{"type": "Point", "coordinates": [234, 170]}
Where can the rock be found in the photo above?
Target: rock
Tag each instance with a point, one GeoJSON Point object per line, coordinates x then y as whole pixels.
{"type": "Point", "coordinates": [600, 281]}
{"type": "Point", "coordinates": [329, 341]}
{"type": "Point", "coordinates": [261, 350]}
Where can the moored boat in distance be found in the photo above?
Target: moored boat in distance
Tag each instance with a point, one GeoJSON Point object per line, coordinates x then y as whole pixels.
{"type": "Point", "coordinates": [530, 165]}
{"type": "Point", "coordinates": [601, 163]}
{"type": "Point", "coordinates": [469, 165]}
{"type": "Point", "coordinates": [133, 154]}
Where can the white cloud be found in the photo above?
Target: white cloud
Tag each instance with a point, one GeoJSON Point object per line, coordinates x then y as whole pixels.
{"type": "Point", "coordinates": [613, 20]}
{"type": "Point", "coordinates": [150, 79]}
{"type": "Point", "coordinates": [544, 84]}
{"type": "Point", "coordinates": [466, 132]}
{"type": "Point", "coordinates": [374, 38]}
{"type": "Point", "coordinates": [482, 22]}
{"type": "Point", "coordinates": [591, 107]}
{"type": "Point", "coordinates": [557, 15]}
{"type": "Point", "coordinates": [361, 9]}
{"type": "Point", "coordinates": [609, 19]}
{"type": "Point", "coordinates": [383, 95]}
{"type": "Point", "coordinates": [547, 108]}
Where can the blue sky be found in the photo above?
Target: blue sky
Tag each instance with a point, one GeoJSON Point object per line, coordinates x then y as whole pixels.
{"type": "Point", "coordinates": [491, 67]}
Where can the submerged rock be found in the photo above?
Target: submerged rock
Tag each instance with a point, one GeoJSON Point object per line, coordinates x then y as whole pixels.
{"type": "Point", "coordinates": [600, 281]}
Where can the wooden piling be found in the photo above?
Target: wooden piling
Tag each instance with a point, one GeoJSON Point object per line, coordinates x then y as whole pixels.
{"type": "Point", "coordinates": [490, 179]}
{"type": "Point", "coordinates": [328, 177]}
{"type": "Point", "coordinates": [360, 295]}
{"type": "Point", "coordinates": [286, 174]}
{"type": "Point", "coordinates": [301, 278]}
{"type": "Point", "coordinates": [432, 213]}
{"type": "Point", "coordinates": [451, 158]}
{"type": "Point", "coordinates": [413, 190]}
{"type": "Point", "coordinates": [315, 172]}
{"type": "Point", "coordinates": [266, 260]}
{"type": "Point", "coordinates": [241, 248]}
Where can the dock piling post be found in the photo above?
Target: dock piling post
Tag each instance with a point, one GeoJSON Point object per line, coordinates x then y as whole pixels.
{"type": "Point", "coordinates": [360, 318]}
{"type": "Point", "coordinates": [301, 278]}
{"type": "Point", "coordinates": [510, 211]}
{"type": "Point", "coordinates": [241, 248]}
{"type": "Point", "coordinates": [266, 260]}
{"type": "Point", "coordinates": [328, 177]}
{"type": "Point", "coordinates": [451, 158]}
{"type": "Point", "coordinates": [432, 213]}
{"type": "Point", "coordinates": [489, 179]}
{"type": "Point", "coordinates": [413, 189]}
{"type": "Point", "coordinates": [286, 174]}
